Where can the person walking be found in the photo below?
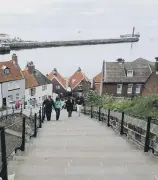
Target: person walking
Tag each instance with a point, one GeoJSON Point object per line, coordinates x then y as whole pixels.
{"type": "Point", "coordinates": [17, 104]}
{"type": "Point", "coordinates": [69, 106]}
{"type": "Point", "coordinates": [48, 104]}
{"type": "Point", "coordinates": [80, 103]}
{"type": "Point", "coordinates": [58, 106]}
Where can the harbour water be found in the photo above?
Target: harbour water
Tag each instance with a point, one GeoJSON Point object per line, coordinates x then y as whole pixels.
{"type": "Point", "coordinates": [52, 20]}
{"type": "Point", "coordinates": [89, 58]}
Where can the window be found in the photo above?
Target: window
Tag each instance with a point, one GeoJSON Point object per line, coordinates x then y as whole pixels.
{"type": "Point", "coordinates": [130, 87]}
{"type": "Point", "coordinates": [10, 98]}
{"type": "Point", "coordinates": [6, 71]}
{"type": "Point", "coordinates": [57, 87]}
{"type": "Point", "coordinates": [32, 91]}
{"type": "Point", "coordinates": [44, 87]}
{"type": "Point", "coordinates": [17, 96]}
{"type": "Point", "coordinates": [138, 87]}
{"type": "Point", "coordinates": [13, 85]}
{"type": "Point", "coordinates": [119, 88]}
{"type": "Point", "coordinates": [130, 73]}
{"type": "Point", "coordinates": [10, 86]}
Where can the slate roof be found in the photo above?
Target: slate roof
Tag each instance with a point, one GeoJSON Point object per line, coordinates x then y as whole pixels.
{"type": "Point", "coordinates": [115, 72]}
{"type": "Point", "coordinates": [35, 79]}
{"type": "Point", "coordinates": [14, 71]}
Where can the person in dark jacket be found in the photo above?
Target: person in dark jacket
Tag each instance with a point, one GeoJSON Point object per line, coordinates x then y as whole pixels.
{"type": "Point", "coordinates": [48, 105]}
{"type": "Point", "coordinates": [69, 106]}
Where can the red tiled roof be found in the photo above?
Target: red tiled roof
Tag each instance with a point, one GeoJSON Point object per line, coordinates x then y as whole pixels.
{"type": "Point", "coordinates": [59, 78]}
{"type": "Point", "coordinates": [97, 78]}
{"type": "Point", "coordinates": [30, 80]}
{"type": "Point", "coordinates": [14, 72]}
{"type": "Point", "coordinates": [76, 78]}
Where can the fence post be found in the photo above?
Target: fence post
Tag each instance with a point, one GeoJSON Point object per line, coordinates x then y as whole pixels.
{"type": "Point", "coordinates": [99, 114]}
{"type": "Point", "coordinates": [108, 123]}
{"type": "Point", "coordinates": [147, 138]}
{"type": "Point", "coordinates": [122, 123]}
{"type": "Point", "coordinates": [84, 109]}
{"type": "Point", "coordinates": [22, 147]}
{"type": "Point", "coordinates": [35, 126]}
{"type": "Point", "coordinates": [4, 171]}
{"type": "Point", "coordinates": [31, 111]}
{"type": "Point", "coordinates": [43, 114]}
{"type": "Point", "coordinates": [91, 111]}
{"type": "Point", "coordinates": [40, 119]}
{"type": "Point", "coordinates": [21, 108]}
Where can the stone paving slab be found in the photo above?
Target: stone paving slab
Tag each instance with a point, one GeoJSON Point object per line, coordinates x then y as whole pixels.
{"type": "Point", "coordinates": [81, 148]}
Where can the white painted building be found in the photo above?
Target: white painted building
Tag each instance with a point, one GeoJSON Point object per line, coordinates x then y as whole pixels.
{"type": "Point", "coordinates": [38, 92]}
{"type": "Point", "coordinates": [38, 86]}
{"type": "Point", "coordinates": [12, 82]}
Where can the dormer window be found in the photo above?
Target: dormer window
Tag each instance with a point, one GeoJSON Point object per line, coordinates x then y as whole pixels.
{"type": "Point", "coordinates": [6, 71]}
{"type": "Point", "coordinates": [130, 73]}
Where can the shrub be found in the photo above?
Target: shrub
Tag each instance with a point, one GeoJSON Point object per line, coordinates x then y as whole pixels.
{"type": "Point", "coordinates": [139, 106]}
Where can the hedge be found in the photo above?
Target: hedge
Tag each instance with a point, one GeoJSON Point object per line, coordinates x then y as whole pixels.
{"type": "Point", "coordinates": [138, 106]}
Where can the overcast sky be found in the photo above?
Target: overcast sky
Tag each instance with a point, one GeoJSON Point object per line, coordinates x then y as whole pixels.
{"type": "Point", "coordinates": [63, 19]}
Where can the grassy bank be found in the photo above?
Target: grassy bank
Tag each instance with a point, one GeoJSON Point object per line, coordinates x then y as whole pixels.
{"type": "Point", "coordinates": [139, 106]}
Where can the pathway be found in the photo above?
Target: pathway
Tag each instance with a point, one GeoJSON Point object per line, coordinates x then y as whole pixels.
{"type": "Point", "coordinates": [80, 148]}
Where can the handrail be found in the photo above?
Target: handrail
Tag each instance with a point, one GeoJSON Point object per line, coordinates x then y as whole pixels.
{"type": "Point", "coordinates": [123, 128]}
{"type": "Point", "coordinates": [4, 172]}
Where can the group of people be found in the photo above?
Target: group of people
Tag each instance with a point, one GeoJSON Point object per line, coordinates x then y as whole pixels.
{"type": "Point", "coordinates": [49, 104]}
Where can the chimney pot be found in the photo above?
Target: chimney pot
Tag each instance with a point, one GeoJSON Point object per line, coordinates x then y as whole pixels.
{"type": "Point", "coordinates": [15, 59]}
{"type": "Point", "coordinates": [79, 69]}
{"type": "Point", "coordinates": [31, 67]}
{"type": "Point", "coordinates": [55, 72]}
{"type": "Point", "coordinates": [120, 60]}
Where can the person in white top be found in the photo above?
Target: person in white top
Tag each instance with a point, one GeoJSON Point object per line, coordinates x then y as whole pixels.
{"type": "Point", "coordinates": [80, 103]}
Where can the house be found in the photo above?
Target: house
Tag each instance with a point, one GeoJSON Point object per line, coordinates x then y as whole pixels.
{"type": "Point", "coordinates": [38, 86]}
{"type": "Point", "coordinates": [78, 82]}
{"type": "Point", "coordinates": [151, 85]}
{"type": "Point", "coordinates": [12, 82]}
{"type": "Point", "coordinates": [128, 79]}
{"type": "Point", "coordinates": [97, 81]}
{"type": "Point", "coordinates": [58, 81]}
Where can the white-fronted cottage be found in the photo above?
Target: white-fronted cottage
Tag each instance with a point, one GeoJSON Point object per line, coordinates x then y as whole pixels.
{"type": "Point", "coordinates": [12, 82]}
{"type": "Point", "coordinates": [37, 85]}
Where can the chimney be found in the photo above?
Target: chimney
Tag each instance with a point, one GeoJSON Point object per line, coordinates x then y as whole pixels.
{"type": "Point", "coordinates": [156, 65]}
{"type": "Point", "coordinates": [31, 67]}
{"type": "Point", "coordinates": [55, 72]}
{"type": "Point", "coordinates": [46, 75]}
{"type": "Point", "coordinates": [92, 84]}
{"type": "Point", "coordinates": [120, 60]}
{"type": "Point", "coordinates": [102, 77]}
{"type": "Point", "coordinates": [79, 69]}
{"type": "Point", "coordinates": [15, 59]}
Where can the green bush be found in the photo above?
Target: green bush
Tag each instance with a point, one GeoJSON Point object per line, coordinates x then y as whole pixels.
{"type": "Point", "coordinates": [139, 106]}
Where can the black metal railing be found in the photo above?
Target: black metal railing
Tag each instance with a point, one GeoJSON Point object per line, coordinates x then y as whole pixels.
{"type": "Point", "coordinates": [143, 131]}
{"type": "Point", "coordinates": [4, 169]}
{"type": "Point", "coordinates": [13, 134]}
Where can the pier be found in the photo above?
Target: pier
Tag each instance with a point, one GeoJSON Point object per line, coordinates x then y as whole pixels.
{"type": "Point", "coordinates": [31, 45]}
